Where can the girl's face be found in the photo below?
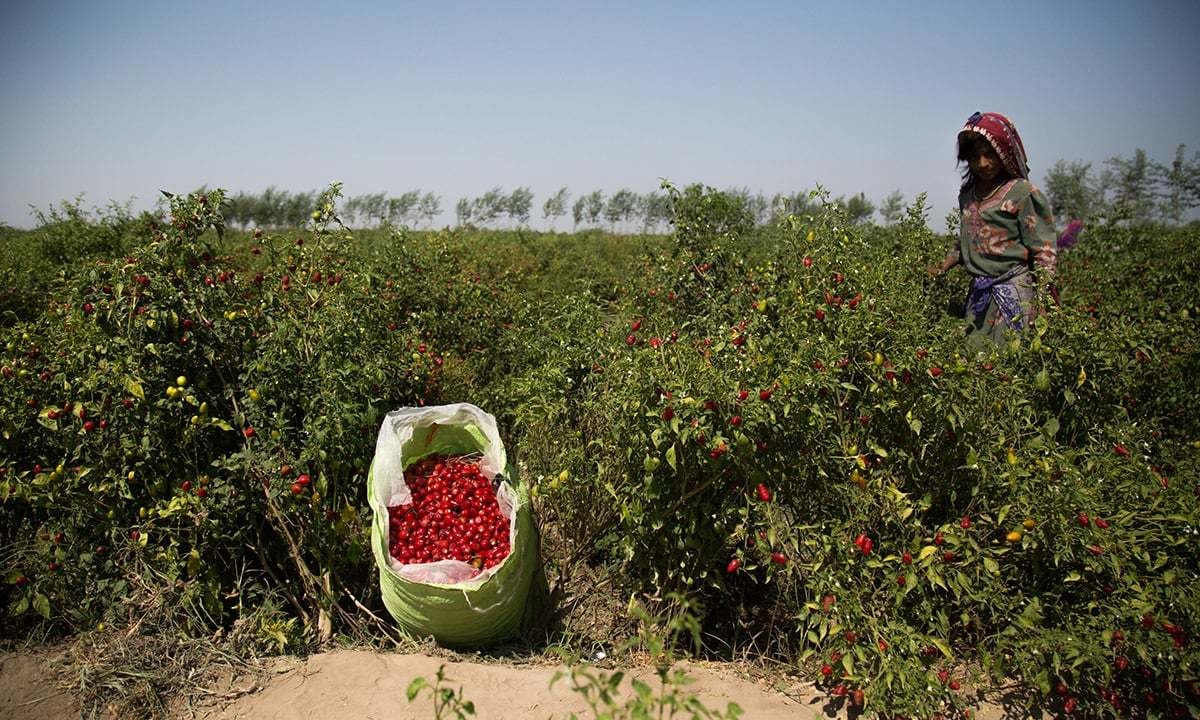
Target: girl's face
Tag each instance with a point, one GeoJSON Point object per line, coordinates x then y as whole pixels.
{"type": "Point", "coordinates": [982, 160]}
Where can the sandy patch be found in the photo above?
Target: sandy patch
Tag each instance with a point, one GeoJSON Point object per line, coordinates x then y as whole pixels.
{"type": "Point", "coordinates": [29, 688]}
{"type": "Point", "coordinates": [370, 685]}
{"type": "Point", "coordinates": [363, 684]}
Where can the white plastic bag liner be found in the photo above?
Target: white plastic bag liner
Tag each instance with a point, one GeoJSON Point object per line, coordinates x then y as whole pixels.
{"type": "Point", "coordinates": [394, 450]}
{"type": "Point", "coordinates": [409, 435]}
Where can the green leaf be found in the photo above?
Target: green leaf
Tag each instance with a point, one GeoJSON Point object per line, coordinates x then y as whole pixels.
{"type": "Point", "coordinates": [1031, 616]}
{"type": "Point", "coordinates": [414, 687]}
{"type": "Point", "coordinates": [1043, 682]}
{"type": "Point", "coordinates": [913, 423]}
{"type": "Point", "coordinates": [135, 388]}
{"type": "Point", "coordinates": [927, 551]}
{"type": "Point", "coordinates": [41, 603]}
{"type": "Point", "coordinates": [671, 458]}
{"type": "Point", "coordinates": [991, 566]}
{"type": "Point", "coordinates": [1050, 429]}
{"type": "Point", "coordinates": [21, 606]}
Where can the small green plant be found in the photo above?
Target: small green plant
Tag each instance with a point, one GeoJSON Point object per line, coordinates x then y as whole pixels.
{"type": "Point", "coordinates": [602, 690]}
{"type": "Point", "coordinates": [447, 703]}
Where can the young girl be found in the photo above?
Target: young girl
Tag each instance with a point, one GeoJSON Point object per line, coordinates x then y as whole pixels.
{"type": "Point", "coordinates": [1006, 237]}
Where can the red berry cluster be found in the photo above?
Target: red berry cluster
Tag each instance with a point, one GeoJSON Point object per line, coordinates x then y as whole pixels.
{"type": "Point", "coordinates": [453, 516]}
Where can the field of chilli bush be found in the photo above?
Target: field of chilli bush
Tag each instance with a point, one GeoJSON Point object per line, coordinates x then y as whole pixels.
{"type": "Point", "coordinates": [781, 429]}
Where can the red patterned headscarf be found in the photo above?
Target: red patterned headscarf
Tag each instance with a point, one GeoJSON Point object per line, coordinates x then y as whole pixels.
{"type": "Point", "coordinates": [1003, 137]}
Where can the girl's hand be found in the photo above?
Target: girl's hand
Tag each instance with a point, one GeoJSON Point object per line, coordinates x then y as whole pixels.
{"type": "Point", "coordinates": [950, 261]}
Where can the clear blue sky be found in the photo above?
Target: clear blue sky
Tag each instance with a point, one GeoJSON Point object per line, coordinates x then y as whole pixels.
{"type": "Point", "coordinates": [119, 99]}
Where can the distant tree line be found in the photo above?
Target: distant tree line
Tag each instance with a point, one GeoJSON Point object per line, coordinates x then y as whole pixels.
{"type": "Point", "coordinates": [269, 209]}
{"type": "Point", "coordinates": [273, 208]}
{"type": "Point", "coordinates": [1125, 189]}
{"type": "Point", "coordinates": [1133, 189]}
{"type": "Point", "coordinates": [624, 209]}
{"type": "Point", "coordinates": [628, 210]}
{"type": "Point", "coordinates": [494, 205]}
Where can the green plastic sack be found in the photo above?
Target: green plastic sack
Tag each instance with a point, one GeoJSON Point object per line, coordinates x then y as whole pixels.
{"type": "Point", "coordinates": [433, 599]}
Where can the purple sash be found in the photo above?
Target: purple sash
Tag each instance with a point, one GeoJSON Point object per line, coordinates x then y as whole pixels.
{"type": "Point", "coordinates": [1000, 290]}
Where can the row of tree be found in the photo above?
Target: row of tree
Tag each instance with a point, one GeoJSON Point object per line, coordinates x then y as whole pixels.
{"type": "Point", "coordinates": [275, 208]}
{"type": "Point", "coordinates": [623, 209]}
{"type": "Point", "coordinates": [1132, 189]}
{"type": "Point", "coordinates": [627, 210]}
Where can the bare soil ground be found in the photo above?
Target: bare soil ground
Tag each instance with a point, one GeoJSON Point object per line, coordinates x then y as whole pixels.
{"type": "Point", "coordinates": [343, 684]}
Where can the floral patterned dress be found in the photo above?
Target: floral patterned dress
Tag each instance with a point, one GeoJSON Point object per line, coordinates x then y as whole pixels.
{"type": "Point", "coordinates": [1006, 241]}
